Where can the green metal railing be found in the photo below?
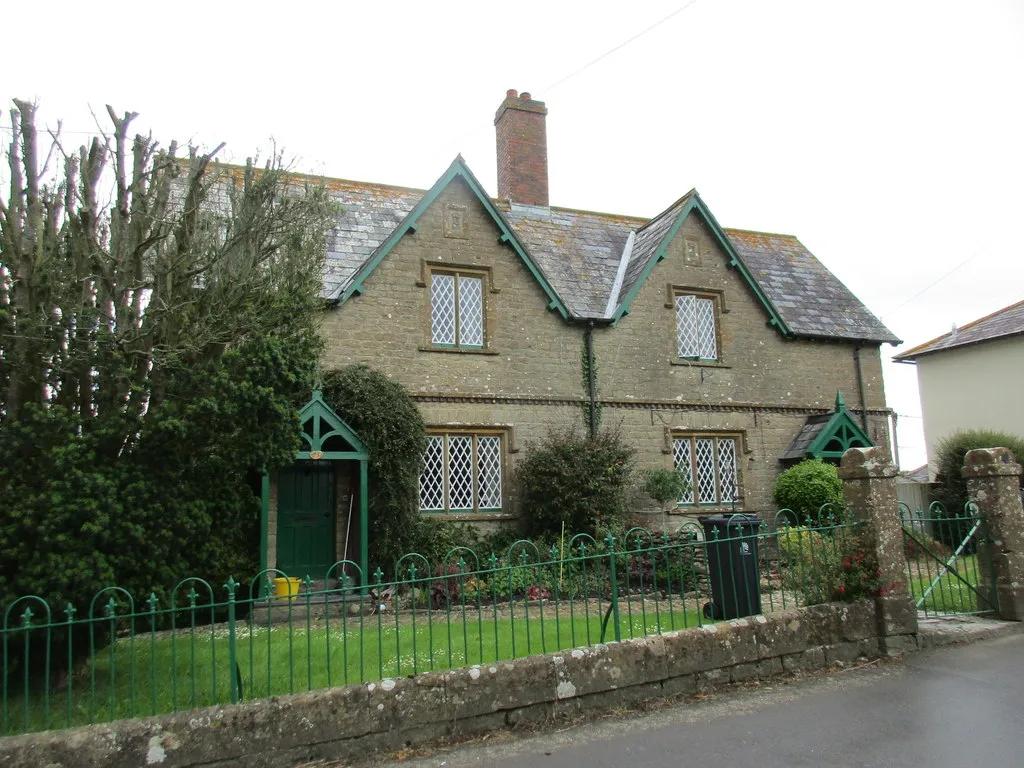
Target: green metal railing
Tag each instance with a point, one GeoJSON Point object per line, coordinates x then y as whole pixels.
{"type": "Point", "coordinates": [948, 568]}
{"type": "Point", "coordinates": [209, 644]}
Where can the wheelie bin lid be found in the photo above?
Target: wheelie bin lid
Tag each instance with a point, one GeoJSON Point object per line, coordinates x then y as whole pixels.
{"type": "Point", "coordinates": [739, 520]}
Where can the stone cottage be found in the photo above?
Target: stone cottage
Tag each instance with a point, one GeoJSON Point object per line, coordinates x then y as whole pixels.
{"type": "Point", "coordinates": [718, 351]}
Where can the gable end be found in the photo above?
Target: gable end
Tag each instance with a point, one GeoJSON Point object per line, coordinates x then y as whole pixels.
{"type": "Point", "coordinates": [695, 203]}
{"type": "Point", "coordinates": [458, 169]}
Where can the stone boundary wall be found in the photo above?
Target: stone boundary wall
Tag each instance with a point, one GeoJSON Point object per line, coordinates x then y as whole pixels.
{"type": "Point", "coordinates": [344, 722]}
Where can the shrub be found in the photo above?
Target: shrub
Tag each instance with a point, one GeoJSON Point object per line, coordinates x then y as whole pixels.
{"type": "Point", "coordinates": [665, 486]}
{"type": "Point", "coordinates": [796, 543]}
{"type": "Point", "coordinates": [826, 566]}
{"type": "Point", "coordinates": [918, 544]}
{"type": "Point", "coordinates": [952, 493]}
{"type": "Point", "coordinates": [434, 539]}
{"type": "Point", "coordinates": [180, 500]}
{"type": "Point", "coordinates": [576, 482]}
{"type": "Point", "coordinates": [498, 542]}
{"type": "Point", "coordinates": [807, 487]}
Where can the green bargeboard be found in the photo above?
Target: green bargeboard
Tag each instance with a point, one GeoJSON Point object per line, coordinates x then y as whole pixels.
{"type": "Point", "coordinates": [305, 519]}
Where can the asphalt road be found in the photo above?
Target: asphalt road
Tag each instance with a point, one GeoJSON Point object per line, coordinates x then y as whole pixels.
{"type": "Point", "coordinates": [955, 706]}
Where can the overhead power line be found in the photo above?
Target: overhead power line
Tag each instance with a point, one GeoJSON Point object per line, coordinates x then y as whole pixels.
{"type": "Point", "coordinates": [473, 131]}
{"type": "Point", "coordinates": [935, 282]}
{"type": "Point", "coordinates": [620, 46]}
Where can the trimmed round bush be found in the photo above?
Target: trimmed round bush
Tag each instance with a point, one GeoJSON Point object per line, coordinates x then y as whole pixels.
{"type": "Point", "coordinates": [807, 487]}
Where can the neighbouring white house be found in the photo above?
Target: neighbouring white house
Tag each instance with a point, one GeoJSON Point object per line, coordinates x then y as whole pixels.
{"type": "Point", "coordinates": [972, 377]}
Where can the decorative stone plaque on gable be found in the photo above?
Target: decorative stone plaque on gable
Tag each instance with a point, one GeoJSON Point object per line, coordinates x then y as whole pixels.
{"type": "Point", "coordinates": [691, 252]}
{"type": "Point", "coordinates": [455, 220]}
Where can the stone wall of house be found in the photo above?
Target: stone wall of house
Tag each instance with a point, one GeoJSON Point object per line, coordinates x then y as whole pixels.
{"type": "Point", "coordinates": [529, 378]}
{"type": "Point", "coordinates": [530, 350]}
{"type": "Point", "coordinates": [762, 390]}
{"type": "Point", "coordinates": [757, 365]}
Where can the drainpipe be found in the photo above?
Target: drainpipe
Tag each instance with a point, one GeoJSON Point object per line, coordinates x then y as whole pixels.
{"type": "Point", "coordinates": [591, 377]}
{"type": "Point", "coordinates": [860, 386]}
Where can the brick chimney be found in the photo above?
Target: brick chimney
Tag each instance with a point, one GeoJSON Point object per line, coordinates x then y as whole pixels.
{"type": "Point", "coordinates": [522, 149]}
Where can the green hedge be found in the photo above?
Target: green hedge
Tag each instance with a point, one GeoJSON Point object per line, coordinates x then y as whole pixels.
{"type": "Point", "coordinates": [952, 489]}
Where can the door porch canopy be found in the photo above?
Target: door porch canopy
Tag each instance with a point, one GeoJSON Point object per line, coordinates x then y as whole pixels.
{"type": "Point", "coordinates": [326, 437]}
{"type": "Point", "coordinates": [827, 436]}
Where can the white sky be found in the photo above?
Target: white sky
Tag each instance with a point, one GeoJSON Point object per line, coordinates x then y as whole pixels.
{"type": "Point", "coordinates": [888, 135]}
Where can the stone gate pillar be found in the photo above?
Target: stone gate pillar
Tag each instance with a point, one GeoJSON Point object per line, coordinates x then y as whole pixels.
{"type": "Point", "coordinates": [869, 490]}
{"type": "Point", "coordinates": [993, 484]}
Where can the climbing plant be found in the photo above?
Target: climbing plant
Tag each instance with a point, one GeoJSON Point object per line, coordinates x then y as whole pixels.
{"type": "Point", "coordinates": [389, 424]}
{"type": "Point", "coordinates": [591, 408]}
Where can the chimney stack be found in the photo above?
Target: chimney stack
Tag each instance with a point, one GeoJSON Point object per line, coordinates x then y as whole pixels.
{"type": "Point", "coordinates": [522, 149]}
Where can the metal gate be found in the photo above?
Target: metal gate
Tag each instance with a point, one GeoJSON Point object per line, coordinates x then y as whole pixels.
{"type": "Point", "coordinates": [948, 568]}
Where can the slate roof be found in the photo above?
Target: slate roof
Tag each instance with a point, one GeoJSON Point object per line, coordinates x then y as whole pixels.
{"type": "Point", "coordinates": [648, 238]}
{"type": "Point", "coordinates": [579, 251]}
{"type": "Point", "coordinates": [811, 300]}
{"type": "Point", "coordinates": [1008, 321]}
{"type": "Point", "coordinates": [807, 435]}
{"type": "Point", "coordinates": [370, 212]}
{"type": "Point", "coordinates": [580, 254]}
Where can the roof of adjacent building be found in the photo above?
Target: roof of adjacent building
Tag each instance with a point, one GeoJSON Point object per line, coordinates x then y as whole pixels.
{"type": "Point", "coordinates": [1008, 321]}
{"type": "Point", "coordinates": [589, 260]}
{"type": "Point", "coordinates": [919, 475]}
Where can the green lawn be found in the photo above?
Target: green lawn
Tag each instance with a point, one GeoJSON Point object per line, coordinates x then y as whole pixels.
{"type": "Point", "coordinates": [949, 594]}
{"type": "Point", "coordinates": [155, 674]}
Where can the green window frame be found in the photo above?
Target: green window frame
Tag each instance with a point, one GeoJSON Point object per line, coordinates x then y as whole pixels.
{"type": "Point", "coordinates": [710, 463]}
{"type": "Point", "coordinates": [458, 311]}
{"type": "Point", "coordinates": [696, 326]}
{"type": "Point", "coordinates": [462, 472]}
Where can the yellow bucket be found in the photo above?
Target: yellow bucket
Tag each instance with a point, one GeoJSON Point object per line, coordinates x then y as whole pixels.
{"type": "Point", "coordinates": [286, 587]}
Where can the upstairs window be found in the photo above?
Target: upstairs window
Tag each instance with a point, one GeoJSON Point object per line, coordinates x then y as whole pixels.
{"type": "Point", "coordinates": [709, 463]}
{"type": "Point", "coordinates": [696, 332]}
{"type": "Point", "coordinates": [457, 309]}
{"type": "Point", "coordinates": [461, 473]}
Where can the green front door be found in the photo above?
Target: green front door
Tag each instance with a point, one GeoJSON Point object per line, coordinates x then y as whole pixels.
{"type": "Point", "coordinates": [305, 519]}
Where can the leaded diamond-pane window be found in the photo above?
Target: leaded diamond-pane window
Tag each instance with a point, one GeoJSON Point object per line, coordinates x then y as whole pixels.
{"type": "Point", "coordinates": [471, 312]}
{"type": "Point", "coordinates": [695, 327]}
{"type": "Point", "coordinates": [432, 475]}
{"type": "Point", "coordinates": [705, 461]}
{"type": "Point", "coordinates": [461, 473]}
{"type": "Point", "coordinates": [442, 309]}
{"type": "Point", "coordinates": [683, 455]}
{"type": "Point", "coordinates": [456, 310]}
{"type": "Point", "coordinates": [727, 469]}
{"type": "Point", "coordinates": [709, 463]}
{"type": "Point", "coordinates": [488, 463]}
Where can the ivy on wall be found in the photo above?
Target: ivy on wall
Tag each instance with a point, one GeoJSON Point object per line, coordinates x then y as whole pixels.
{"type": "Point", "coordinates": [392, 429]}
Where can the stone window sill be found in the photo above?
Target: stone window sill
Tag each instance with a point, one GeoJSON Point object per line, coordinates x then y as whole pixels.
{"type": "Point", "coordinates": [458, 350]}
{"type": "Point", "coordinates": [699, 363]}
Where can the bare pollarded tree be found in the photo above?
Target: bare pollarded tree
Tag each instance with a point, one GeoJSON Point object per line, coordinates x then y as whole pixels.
{"type": "Point", "coordinates": [124, 259]}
